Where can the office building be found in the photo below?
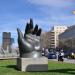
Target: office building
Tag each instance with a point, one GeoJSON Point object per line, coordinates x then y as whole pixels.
{"type": "Point", "coordinates": [6, 42]}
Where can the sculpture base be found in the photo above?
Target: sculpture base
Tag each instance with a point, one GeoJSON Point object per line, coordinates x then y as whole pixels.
{"type": "Point", "coordinates": [32, 64]}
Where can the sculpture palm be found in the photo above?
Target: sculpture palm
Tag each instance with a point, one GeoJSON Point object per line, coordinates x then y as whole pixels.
{"type": "Point", "coordinates": [29, 44]}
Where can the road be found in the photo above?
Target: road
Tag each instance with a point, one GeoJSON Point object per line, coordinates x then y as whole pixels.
{"type": "Point", "coordinates": [65, 60]}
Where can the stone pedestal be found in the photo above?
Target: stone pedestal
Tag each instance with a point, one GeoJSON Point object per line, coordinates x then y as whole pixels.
{"type": "Point", "coordinates": [32, 64]}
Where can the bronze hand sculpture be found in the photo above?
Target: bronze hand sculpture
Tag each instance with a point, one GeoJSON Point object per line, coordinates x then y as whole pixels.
{"type": "Point", "coordinates": [29, 44]}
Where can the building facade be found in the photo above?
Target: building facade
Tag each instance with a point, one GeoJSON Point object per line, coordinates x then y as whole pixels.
{"type": "Point", "coordinates": [67, 39]}
{"type": "Point", "coordinates": [55, 32]}
{"type": "Point", "coordinates": [45, 40]}
{"type": "Point", "coordinates": [6, 42]}
{"type": "Point", "coordinates": [50, 39]}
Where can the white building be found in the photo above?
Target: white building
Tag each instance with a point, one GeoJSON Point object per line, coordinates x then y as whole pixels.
{"type": "Point", "coordinates": [55, 31]}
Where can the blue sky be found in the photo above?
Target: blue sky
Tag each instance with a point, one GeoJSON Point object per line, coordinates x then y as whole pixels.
{"type": "Point", "coordinates": [46, 13]}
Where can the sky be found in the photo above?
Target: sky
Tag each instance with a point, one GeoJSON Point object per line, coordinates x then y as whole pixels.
{"type": "Point", "coordinates": [46, 13]}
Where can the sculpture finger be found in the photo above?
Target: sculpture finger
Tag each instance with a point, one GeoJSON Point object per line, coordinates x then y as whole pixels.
{"type": "Point", "coordinates": [29, 27]}
{"type": "Point", "coordinates": [39, 32]}
{"type": "Point", "coordinates": [35, 30]}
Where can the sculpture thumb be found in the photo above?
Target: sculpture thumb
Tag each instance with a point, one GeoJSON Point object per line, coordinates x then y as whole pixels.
{"type": "Point", "coordinates": [23, 44]}
{"type": "Point", "coordinates": [20, 35]}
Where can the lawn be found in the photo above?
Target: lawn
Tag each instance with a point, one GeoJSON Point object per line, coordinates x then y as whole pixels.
{"type": "Point", "coordinates": [8, 67]}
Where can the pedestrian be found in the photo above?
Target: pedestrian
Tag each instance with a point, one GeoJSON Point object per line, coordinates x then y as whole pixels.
{"type": "Point", "coordinates": [60, 56]}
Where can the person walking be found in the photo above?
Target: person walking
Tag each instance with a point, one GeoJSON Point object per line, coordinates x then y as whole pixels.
{"type": "Point", "coordinates": [60, 56]}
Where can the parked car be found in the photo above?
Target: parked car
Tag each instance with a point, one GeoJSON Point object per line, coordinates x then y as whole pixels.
{"type": "Point", "coordinates": [52, 56]}
{"type": "Point", "coordinates": [70, 55]}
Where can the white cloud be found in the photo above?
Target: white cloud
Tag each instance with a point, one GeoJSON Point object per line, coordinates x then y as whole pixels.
{"type": "Point", "coordinates": [47, 23]}
{"type": "Point", "coordinates": [58, 3]}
